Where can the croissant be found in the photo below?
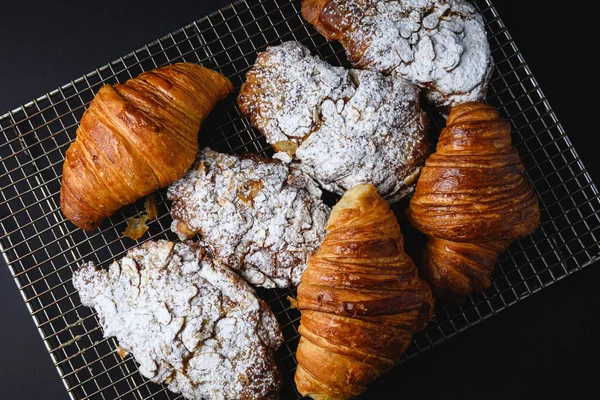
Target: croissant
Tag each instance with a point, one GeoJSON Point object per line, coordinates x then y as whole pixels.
{"type": "Point", "coordinates": [441, 46]}
{"type": "Point", "coordinates": [341, 127]}
{"type": "Point", "coordinates": [472, 200]}
{"type": "Point", "coordinates": [360, 300]}
{"type": "Point", "coordinates": [136, 137]}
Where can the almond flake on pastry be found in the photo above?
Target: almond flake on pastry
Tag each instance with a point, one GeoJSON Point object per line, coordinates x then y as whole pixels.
{"type": "Point", "coordinates": [257, 215]}
{"type": "Point", "coordinates": [188, 320]}
{"type": "Point", "coordinates": [342, 127]}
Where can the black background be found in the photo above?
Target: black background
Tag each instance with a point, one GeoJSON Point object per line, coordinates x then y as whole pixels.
{"type": "Point", "coordinates": [543, 347]}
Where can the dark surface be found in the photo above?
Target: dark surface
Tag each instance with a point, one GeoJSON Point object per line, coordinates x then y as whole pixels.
{"type": "Point", "coordinates": [543, 347]}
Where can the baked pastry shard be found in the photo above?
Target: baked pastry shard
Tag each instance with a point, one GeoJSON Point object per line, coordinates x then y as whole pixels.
{"type": "Point", "coordinates": [343, 127]}
{"type": "Point", "coordinates": [472, 200]}
{"type": "Point", "coordinates": [439, 45]}
{"type": "Point", "coordinates": [256, 214]}
{"type": "Point", "coordinates": [136, 137]}
{"type": "Point", "coordinates": [360, 300]}
{"type": "Point", "coordinates": [188, 320]}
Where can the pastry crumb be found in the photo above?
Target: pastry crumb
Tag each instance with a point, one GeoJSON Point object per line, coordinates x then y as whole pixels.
{"type": "Point", "coordinates": [122, 352]}
{"type": "Point", "coordinates": [293, 302]}
{"type": "Point", "coordinates": [136, 227]}
{"type": "Point", "coordinates": [151, 207]}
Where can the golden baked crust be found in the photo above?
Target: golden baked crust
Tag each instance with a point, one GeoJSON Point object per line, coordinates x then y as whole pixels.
{"type": "Point", "coordinates": [136, 137]}
{"type": "Point", "coordinates": [360, 300]}
{"type": "Point", "coordinates": [472, 200]}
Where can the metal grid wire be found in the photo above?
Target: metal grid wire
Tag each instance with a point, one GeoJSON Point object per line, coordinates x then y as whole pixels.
{"type": "Point", "coordinates": [42, 249]}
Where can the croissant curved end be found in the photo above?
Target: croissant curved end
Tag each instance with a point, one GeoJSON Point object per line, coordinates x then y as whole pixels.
{"type": "Point", "coordinates": [324, 15]}
{"type": "Point", "coordinates": [311, 9]}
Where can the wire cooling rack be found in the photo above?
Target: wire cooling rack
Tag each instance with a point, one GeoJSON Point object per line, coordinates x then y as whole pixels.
{"type": "Point", "coordinates": [42, 249]}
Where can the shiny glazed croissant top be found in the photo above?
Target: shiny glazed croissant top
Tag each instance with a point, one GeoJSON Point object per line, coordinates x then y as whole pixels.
{"type": "Point", "coordinates": [136, 137]}
{"type": "Point", "coordinates": [472, 200]}
{"type": "Point", "coordinates": [360, 300]}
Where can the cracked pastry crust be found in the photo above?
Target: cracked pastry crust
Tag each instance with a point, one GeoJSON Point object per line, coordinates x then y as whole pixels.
{"type": "Point", "coordinates": [188, 320]}
{"type": "Point", "coordinates": [257, 215]}
{"type": "Point", "coordinates": [441, 46]}
{"type": "Point", "coordinates": [343, 127]}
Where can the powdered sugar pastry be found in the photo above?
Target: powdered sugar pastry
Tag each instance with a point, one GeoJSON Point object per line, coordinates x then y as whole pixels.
{"type": "Point", "coordinates": [441, 46]}
{"type": "Point", "coordinates": [256, 214]}
{"type": "Point", "coordinates": [189, 321]}
{"type": "Point", "coordinates": [343, 127]}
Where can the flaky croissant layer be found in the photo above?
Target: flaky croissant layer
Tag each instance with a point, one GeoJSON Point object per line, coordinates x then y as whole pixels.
{"type": "Point", "coordinates": [360, 299]}
{"type": "Point", "coordinates": [472, 200]}
{"type": "Point", "coordinates": [136, 137]}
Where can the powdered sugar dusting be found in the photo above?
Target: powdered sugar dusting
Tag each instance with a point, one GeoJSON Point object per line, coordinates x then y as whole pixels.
{"type": "Point", "coordinates": [441, 46]}
{"type": "Point", "coordinates": [344, 127]}
{"type": "Point", "coordinates": [189, 321]}
{"type": "Point", "coordinates": [257, 215]}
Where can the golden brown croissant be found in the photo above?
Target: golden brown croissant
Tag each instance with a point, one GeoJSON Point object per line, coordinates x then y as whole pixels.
{"type": "Point", "coordinates": [136, 137]}
{"type": "Point", "coordinates": [472, 200]}
{"type": "Point", "coordinates": [360, 299]}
